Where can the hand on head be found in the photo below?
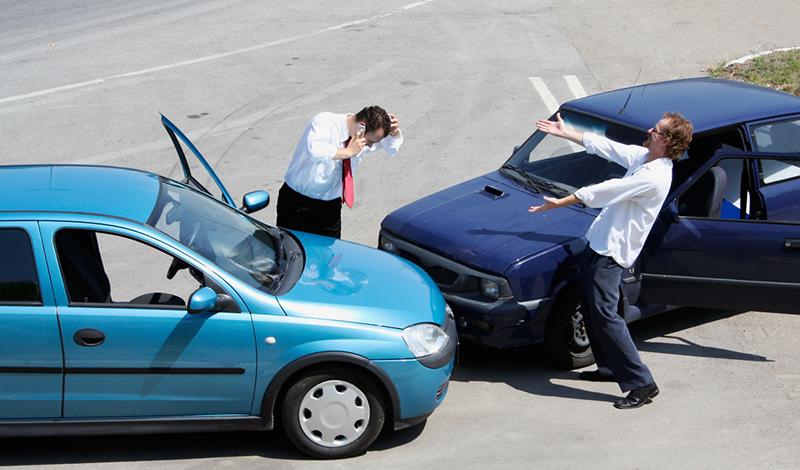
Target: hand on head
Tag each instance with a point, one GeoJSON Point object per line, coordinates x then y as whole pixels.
{"type": "Point", "coordinates": [395, 125]}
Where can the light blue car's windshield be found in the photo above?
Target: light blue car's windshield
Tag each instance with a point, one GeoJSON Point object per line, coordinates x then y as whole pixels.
{"type": "Point", "coordinates": [567, 165]}
{"type": "Point", "coordinates": [239, 245]}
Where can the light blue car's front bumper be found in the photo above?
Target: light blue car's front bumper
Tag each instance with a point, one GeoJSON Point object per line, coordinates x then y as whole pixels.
{"type": "Point", "coordinates": [419, 389]}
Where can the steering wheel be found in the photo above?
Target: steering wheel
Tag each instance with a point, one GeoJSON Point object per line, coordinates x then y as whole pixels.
{"type": "Point", "coordinates": [192, 235]}
{"type": "Point", "coordinates": [178, 264]}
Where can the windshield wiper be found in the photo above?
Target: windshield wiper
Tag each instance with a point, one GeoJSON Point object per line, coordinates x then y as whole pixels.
{"type": "Point", "coordinates": [554, 188]}
{"type": "Point", "coordinates": [531, 183]}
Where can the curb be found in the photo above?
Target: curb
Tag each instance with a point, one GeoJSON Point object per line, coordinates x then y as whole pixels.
{"type": "Point", "coordinates": [744, 59]}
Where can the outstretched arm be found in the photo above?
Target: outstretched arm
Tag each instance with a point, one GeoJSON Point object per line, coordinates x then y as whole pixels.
{"type": "Point", "coordinates": [559, 129]}
{"type": "Point", "coordinates": [553, 203]}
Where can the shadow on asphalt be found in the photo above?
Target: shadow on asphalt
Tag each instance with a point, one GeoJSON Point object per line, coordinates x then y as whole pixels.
{"type": "Point", "coordinates": [167, 447]}
{"type": "Point", "coordinates": [523, 368]}
{"type": "Point", "coordinates": [527, 370]}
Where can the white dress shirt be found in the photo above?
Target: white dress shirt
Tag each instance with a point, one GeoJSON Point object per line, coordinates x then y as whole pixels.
{"type": "Point", "coordinates": [630, 204]}
{"type": "Point", "coordinates": [313, 172]}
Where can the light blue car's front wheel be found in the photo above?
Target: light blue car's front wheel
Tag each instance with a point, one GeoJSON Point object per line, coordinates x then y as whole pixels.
{"type": "Point", "coordinates": [333, 413]}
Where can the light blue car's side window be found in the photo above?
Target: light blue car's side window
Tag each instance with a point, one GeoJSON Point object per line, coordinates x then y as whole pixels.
{"type": "Point", "coordinates": [108, 269]}
{"type": "Point", "coordinates": [19, 283]}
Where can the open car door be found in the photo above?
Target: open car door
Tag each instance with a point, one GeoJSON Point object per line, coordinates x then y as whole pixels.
{"type": "Point", "coordinates": [730, 239]}
{"type": "Point", "coordinates": [190, 179]}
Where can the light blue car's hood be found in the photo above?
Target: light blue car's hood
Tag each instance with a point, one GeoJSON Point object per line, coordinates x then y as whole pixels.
{"type": "Point", "coordinates": [350, 282]}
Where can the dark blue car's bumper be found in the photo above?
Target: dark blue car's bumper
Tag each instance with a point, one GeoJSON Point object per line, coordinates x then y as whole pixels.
{"type": "Point", "coordinates": [500, 324]}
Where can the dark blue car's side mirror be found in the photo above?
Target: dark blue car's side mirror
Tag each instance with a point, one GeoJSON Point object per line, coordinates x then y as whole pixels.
{"type": "Point", "coordinates": [254, 201]}
{"type": "Point", "coordinates": [203, 300]}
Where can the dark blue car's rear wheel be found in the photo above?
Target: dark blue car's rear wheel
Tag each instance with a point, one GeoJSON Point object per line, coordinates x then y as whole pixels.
{"type": "Point", "coordinates": [566, 339]}
{"type": "Point", "coordinates": [333, 413]}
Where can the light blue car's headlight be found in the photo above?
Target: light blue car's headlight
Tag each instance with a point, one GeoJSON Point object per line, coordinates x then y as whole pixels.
{"type": "Point", "coordinates": [425, 339]}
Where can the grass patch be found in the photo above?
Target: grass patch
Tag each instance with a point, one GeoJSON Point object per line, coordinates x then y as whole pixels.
{"type": "Point", "coordinates": [779, 70]}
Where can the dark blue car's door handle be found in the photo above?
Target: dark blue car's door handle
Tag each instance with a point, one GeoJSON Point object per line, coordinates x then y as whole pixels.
{"type": "Point", "coordinates": [792, 244]}
{"type": "Point", "coordinates": [89, 337]}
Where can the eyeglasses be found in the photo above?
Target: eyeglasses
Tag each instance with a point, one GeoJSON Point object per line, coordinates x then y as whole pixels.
{"type": "Point", "coordinates": [653, 130]}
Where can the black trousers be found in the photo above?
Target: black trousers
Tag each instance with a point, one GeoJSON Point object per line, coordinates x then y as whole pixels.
{"type": "Point", "coordinates": [306, 214]}
{"type": "Point", "coordinates": [602, 301]}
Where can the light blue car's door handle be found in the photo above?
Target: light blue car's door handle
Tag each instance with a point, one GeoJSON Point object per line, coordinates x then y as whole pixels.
{"type": "Point", "coordinates": [89, 337]}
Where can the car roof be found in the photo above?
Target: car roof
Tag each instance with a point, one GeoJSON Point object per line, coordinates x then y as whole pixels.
{"type": "Point", "coordinates": [102, 190]}
{"type": "Point", "coordinates": [709, 103]}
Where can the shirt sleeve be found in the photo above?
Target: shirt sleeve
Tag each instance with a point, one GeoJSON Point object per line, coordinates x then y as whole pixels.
{"type": "Point", "coordinates": [615, 190]}
{"type": "Point", "coordinates": [392, 144]}
{"type": "Point", "coordinates": [321, 138]}
{"type": "Point", "coordinates": [625, 155]}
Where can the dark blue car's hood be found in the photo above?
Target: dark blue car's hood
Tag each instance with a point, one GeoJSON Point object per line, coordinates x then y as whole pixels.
{"type": "Point", "coordinates": [469, 225]}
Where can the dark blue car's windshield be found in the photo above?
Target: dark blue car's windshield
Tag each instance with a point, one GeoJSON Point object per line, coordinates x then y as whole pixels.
{"type": "Point", "coordinates": [231, 240]}
{"type": "Point", "coordinates": [556, 160]}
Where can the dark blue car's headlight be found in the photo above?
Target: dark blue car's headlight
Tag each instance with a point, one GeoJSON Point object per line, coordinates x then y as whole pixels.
{"type": "Point", "coordinates": [386, 244]}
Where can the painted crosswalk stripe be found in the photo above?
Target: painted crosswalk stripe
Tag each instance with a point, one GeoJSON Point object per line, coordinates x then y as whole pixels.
{"type": "Point", "coordinates": [544, 92]}
{"type": "Point", "coordinates": [575, 86]}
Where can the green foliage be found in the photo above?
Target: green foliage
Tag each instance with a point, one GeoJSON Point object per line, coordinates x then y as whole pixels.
{"type": "Point", "coordinates": [779, 70]}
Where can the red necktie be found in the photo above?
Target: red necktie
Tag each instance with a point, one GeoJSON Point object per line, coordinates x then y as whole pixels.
{"type": "Point", "coordinates": [348, 190]}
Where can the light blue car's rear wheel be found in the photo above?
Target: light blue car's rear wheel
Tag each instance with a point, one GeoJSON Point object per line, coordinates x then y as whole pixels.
{"type": "Point", "coordinates": [333, 413]}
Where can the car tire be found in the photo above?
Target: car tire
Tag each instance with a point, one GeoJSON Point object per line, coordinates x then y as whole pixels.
{"type": "Point", "coordinates": [566, 340]}
{"type": "Point", "coordinates": [333, 413]}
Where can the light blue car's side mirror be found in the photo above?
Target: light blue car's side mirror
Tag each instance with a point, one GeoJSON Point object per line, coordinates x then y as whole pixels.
{"type": "Point", "coordinates": [202, 300]}
{"type": "Point", "coordinates": [254, 201]}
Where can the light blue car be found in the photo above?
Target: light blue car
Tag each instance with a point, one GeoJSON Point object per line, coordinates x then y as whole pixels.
{"type": "Point", "coordinates": [132, 303]}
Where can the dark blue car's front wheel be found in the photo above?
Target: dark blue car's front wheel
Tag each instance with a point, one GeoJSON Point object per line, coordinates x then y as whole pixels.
{"type": "Point", "coordinates": [333, 413]}
{"type": "Point", "coordinates": [565, 338]}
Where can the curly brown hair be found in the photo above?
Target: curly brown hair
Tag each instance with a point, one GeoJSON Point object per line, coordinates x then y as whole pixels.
{"type": "Point", "coordinates": [678, 134]}
{"type": "Point", "coordinates": [375, 117]}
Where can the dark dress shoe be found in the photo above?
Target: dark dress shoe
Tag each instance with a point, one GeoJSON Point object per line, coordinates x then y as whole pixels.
{"type": "Point", "coordinates": [596, 376]}
{"type": "Point", "coordinates": [637, 397]}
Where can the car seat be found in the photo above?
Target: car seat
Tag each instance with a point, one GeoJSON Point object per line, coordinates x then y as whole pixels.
{"type": "Point", "coordinates": [704, 198]}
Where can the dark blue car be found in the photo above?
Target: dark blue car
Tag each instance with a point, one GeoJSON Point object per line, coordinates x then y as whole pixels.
{"type": "Point", "coordinates": [728, 236]}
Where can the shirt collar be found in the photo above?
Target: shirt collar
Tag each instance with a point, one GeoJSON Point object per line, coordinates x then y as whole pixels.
{"type": "Point", "coordinates": [663, 161]}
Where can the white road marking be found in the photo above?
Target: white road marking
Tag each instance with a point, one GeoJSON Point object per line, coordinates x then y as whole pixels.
{"type": "Point", "coordinates": [575, 86]}
{"type": "Point", "coordinates": [746, 58]}
{"type": "Point", "coordinates": [98, 81]}
{"type": "Point", "coordinates": [550, 101]}
{"type": "Point", "coordinates": [544, 92]}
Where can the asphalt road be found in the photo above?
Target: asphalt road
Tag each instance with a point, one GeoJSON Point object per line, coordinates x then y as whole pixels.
{"type": "Point", "coordinates": [84, 81]}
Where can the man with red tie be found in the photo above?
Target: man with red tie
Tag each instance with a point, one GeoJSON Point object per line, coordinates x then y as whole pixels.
{"type": "Point", "coordinates": [320, 177]}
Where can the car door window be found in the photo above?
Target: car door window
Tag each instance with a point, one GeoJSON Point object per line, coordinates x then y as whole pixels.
{"type": "Point", "coordinates": [777, 137]}
{"type": "Point", "coordinates": [103, 268]}
{"type": "Point", "coordinates": [19, 284]}
{"type": "Point", "coordinates": [725, 191]}
{"type": "Point", "coordinates": [719, 193]}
